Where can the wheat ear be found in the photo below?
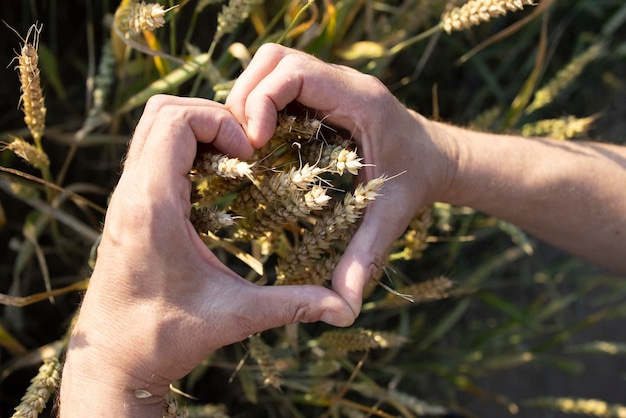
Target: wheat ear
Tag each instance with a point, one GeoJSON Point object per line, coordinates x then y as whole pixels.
{"type": "Point", "coordinates": [232, 14]}
{"type": "Point", "coordinates": [28, 152]}
{"type": "Point", "coordinates": [564, 78]}
{"type": "Point", "coordinates": [475, 12]}
{"type": "Point", "coordinates": [135, 17]}
{"type": "Point", "coordinates": [32, 99]}
{"type": "Point", "coordinates": [563, 128]}
{"type": "Point", "coordinates": [591, 407]}
{"type": "Point", "coordinates": [429, 290]}
{"type": "Point", "coordinates": [341, 341]}
{"type": "Point", "coordinates": [329, 228]}
{"type": "Point", "coordinates": [41, 388]}
{"type": "Point", "coordinates": [261, 353]}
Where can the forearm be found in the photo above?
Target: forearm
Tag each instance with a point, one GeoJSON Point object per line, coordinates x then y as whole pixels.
{"type": "Point", "coordinates": [569, 194]}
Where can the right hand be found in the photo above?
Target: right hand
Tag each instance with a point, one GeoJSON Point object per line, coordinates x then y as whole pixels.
{"type": "Point", "coordinates": [392, 140]}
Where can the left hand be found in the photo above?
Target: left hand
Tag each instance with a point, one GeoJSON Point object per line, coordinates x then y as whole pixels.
{"type": "Point", "coordinates": [159, 301]}
{"type": "Point", "coordinates": [392, 140]}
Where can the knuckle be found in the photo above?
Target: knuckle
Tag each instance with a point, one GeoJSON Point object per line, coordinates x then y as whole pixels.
{"type": "Point", "coordinates": [271, 49]}
{"type": "Point", "coordinates": [156, 102]}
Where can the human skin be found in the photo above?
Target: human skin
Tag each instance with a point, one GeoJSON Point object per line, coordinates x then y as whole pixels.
{"type": "Point", "coordinates": [158, 300]}
{"type": "Point", "coordinates": [570, 194]}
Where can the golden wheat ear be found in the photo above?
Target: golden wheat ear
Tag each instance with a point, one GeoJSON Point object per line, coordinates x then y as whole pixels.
{"type": "Point", "coordinates": [31, 98]}
{"type": "Point", "coordinates": [42, 386]}
{"type": "Point", "coordinates": [475, 12]}
{"type": "Point", "coordinates": [28, 152]}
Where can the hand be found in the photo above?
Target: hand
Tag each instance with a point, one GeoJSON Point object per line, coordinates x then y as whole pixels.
{"type": "Point", "coordinates": [159, 301]}
{"type": "Point", "coordinates": [392, 140]}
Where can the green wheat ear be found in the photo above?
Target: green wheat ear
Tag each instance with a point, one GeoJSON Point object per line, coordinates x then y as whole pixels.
{"type": "Point", "coordinates": [565, 77]}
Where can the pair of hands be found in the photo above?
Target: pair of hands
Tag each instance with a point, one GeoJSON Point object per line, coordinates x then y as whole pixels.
{"type": "Point", "coordinates": [159, 301]}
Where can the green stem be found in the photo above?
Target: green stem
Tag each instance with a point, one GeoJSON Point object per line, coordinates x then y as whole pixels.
{"type": "Point", "coordinates": [294, 21]}
{"type": "Point", "coordinates": [415, 39]}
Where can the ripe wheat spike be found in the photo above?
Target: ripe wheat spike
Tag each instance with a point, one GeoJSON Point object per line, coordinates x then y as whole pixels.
{"type": "Point", "coordinates": [42, 386]}
{"type": "Point", "coordinates": [135, 17]}
{"type": "Point", "coordinates": [28, 152]}
{"type": "Point", "coordinates": [31, 99]}
{"type": "Point", "coordinates": [475, 12]}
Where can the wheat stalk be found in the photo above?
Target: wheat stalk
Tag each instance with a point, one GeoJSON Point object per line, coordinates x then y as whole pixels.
{"type": "Point", "coordinates": [475, 12]}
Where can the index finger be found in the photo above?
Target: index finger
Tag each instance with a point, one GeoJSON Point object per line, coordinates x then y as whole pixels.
{"type": "Point", "coordinates": [277, 76]}
{"type": "Point", "coordinates": [156, 113]}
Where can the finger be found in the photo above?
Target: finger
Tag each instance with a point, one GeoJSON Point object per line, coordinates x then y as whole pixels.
{"type": "Point", "coordinates": [281, 76]}
{"type": "Point", "coordinates": [367, 251]}
{"type": "Point", "coordinates": [262, 64]}
{"type": "Point", "coordinates": [274, 306]}
{"type": "Point", "coordinates": [170, 146]}
{"type": "Point", "coordinates": [155, 113]}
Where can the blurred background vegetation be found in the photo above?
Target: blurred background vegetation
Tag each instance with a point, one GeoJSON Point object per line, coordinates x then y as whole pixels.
{"type": "Point", "coordinates": [526, 331]}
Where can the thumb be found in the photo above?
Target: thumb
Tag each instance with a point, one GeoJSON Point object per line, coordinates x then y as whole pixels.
{"type": "Point", "coordinates": [289, 304]}
{"type": "Point", "coordinates": [365, 255]}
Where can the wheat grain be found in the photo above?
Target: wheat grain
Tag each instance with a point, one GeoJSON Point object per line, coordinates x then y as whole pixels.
{"type": "Point", "coordinates": [475, 12]}
{"type": "Point", "coordinates": [221, 165]}
{"type": "Point", "coordinates": [210, 219]}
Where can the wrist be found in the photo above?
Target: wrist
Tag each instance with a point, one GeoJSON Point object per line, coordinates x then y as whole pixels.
{"type": "Point", "coordinates": [441, 170]}
{"type": "Point", "coordinates": [91, 386]}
